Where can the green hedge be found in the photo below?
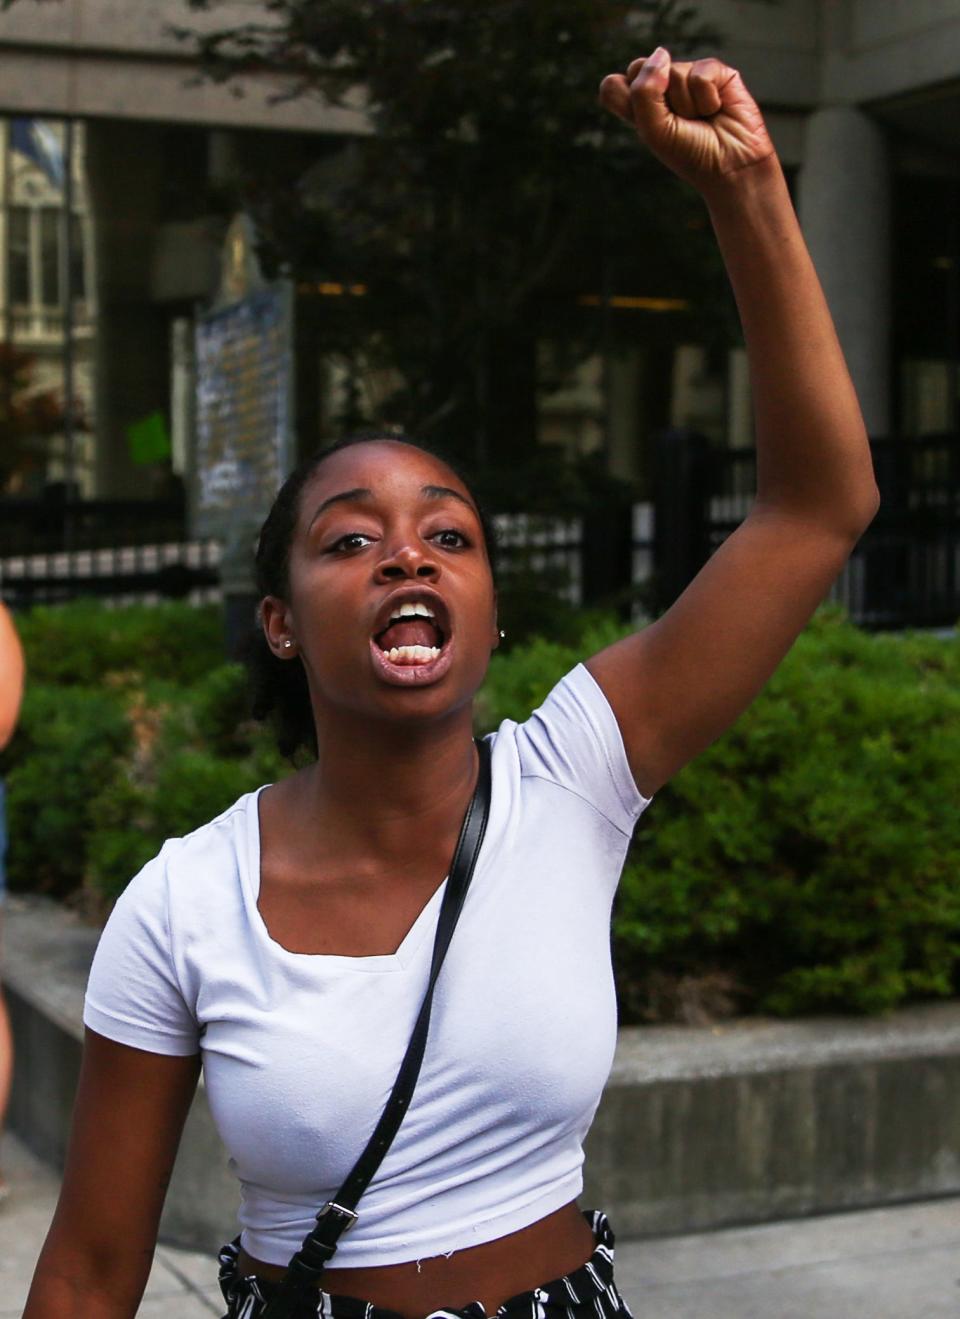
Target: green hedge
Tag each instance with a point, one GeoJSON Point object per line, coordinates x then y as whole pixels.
{"type": "Point", "coordinates": [809, 860]}
{"type": "Point", "coordinates": [133, 730]}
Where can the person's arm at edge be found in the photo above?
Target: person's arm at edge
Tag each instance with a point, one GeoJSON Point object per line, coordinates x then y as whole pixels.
{"type": "Point", "coordinates": [11, 676]}
{"type": "Point", "coordinates": [127, 1122]}
{"type": "Point", "coordinates": [679, 683]}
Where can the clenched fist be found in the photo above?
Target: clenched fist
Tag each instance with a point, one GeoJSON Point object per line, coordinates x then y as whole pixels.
{"type": "Point", "coordinates": [698, 119]}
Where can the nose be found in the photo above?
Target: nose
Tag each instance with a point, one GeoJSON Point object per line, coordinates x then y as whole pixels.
{"type": "Point", "coordinates": [409, 560]}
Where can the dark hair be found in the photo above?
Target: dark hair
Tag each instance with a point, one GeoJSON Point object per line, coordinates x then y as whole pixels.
{"type": "Point", "coordinates": [279, 687]}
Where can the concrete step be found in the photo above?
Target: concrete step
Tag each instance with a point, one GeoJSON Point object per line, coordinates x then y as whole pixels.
{"type": "Point", "coordinates": [749, 1121]}
{"type": "Point", "coordinates": [182, 1282]}
{"type": "Point", "coordinates": [881, 1263]}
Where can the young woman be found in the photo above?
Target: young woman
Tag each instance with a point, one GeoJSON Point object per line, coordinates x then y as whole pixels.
{"type": "Point", "coordinates": [287, 942]}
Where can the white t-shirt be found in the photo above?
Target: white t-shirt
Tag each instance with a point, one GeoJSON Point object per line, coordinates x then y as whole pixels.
{"type": "Point", "coordinates": [300, 1051]}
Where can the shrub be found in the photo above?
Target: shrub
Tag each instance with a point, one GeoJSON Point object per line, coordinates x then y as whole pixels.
{"type": "Point", "coordinates": [133, 730]}
{"type": "Point", "coordinates": [197, 751]}
{"type": "Point", "coordinates": [82, 643]}
{"type": "Point", "coordinates": [809, 860]}
{"type": "Point", "coordinates": [68, 742]}
{"type": "Point", "coordinates": [814, 851]}
{"type": "Point", "coordinates": [520, 679]}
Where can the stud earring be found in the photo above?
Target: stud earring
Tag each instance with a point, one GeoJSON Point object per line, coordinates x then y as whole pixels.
{"type": "Point", "coordinates": [287, 645]}
{"type": "Point", "coordinates": [502, 634]}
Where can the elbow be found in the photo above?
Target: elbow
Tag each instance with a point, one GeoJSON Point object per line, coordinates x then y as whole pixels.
{"type": "Point", "coordinates": [10, 702]}
{"type": "Point", "coordinates": [866, 509]}
{"type": "Point", "coordinates": [8, 726]}
{"type": "Point", "coordinates": [857, 512]}
{"type": "Point", "coordinates": [844, 519]}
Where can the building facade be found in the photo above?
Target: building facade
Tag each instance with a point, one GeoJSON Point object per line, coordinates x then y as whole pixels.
{"type": "Point", "coordinates": [862, 98]}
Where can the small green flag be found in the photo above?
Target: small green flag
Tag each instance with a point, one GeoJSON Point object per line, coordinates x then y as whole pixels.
{"type": "Point", "coordinates": [149, 439]}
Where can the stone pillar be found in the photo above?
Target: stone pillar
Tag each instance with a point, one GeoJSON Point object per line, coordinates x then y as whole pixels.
{"type": "Point", "coordinates": [844, 206]}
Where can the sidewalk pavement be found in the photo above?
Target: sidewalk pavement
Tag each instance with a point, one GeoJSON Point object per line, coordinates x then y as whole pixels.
{"type": "Point", "coordinates": [896, 1263]}
{"type": "Point", "coordinates": [181, 1283]}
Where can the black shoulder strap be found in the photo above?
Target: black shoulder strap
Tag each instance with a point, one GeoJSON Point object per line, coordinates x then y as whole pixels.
{"type": "Point", "coordinates": [306, 1266]}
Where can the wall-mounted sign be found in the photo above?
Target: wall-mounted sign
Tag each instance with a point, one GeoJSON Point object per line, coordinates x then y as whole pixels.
{"type": "Point", "coordinates": [244, 386]}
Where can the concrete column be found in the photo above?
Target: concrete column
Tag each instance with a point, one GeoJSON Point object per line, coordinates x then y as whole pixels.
{"type": "Point", "coordinates": [844, 206]}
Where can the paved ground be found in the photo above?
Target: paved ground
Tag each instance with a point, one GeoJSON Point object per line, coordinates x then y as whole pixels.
{"type": "Point", "coordinates": [901, 1263]}
{"type": "Point", "coordinates": [181, 1284]}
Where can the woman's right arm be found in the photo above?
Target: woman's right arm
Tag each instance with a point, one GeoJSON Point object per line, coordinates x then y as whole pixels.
{"type": "Point", "coordinates": [127, 1121]}
{"type": "Point", "coordinates": [11, 676]}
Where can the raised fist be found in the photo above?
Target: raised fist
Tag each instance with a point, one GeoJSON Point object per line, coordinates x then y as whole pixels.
{"type": "Point", "coordinates": [698, 119]}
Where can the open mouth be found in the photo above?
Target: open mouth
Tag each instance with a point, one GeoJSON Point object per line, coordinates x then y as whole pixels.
{"type": "Point", "coordinates": [413, 644]}
{"type": "Point", "coordinates": [413, 634]}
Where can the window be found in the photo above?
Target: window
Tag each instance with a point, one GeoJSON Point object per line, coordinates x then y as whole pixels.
{"type": "Point", "coordinates": [36, 235]}
{"type": "Point", "coordinates": [19, 254]}
{"type": "Point", "coordinates": [49, 258]}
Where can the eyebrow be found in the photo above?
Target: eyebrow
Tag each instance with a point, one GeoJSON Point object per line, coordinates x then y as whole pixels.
{"type": "Point", "coordinates": [445, 492]}
{"type": "Point", "coordinates": [343, 496]}
{"type": "Point", "coordinates": [360, 493]}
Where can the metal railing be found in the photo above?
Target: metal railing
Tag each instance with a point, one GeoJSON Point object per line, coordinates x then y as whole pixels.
{"type": "Point", "coordinates": [905, 571]}
{"type": "Point", "coordinates": [129, 574]}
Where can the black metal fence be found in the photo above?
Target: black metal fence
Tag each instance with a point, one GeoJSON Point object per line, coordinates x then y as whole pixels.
{"type": "Point", "coordinates": [57, 523]}
{"type": "Point", "coordinates": [904, 573]}
{"type": "Point", "coordinates": [143, 574]}
{"type": "Point", "coordinates": [53, 550]}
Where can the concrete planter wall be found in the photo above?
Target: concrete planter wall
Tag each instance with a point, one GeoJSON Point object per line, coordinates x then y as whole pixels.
{"type": "Point", "coordinates": [698, 1128]}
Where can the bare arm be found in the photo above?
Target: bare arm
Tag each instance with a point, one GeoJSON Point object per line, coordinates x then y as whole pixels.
{"type": "Point", "coordinates": [679, 683]}
{"type": "Point", "coordinates": [11, 676]}
{"type": "Point", "coordinates": [127, 1121]}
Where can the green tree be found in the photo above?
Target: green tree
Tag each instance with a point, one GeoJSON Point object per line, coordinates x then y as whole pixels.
{"type": "Point", "coordinates": [491, 209]}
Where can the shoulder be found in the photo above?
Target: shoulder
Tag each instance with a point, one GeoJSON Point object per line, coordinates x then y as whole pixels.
{"type": "Point", "coordinates": [573, 741]}
{"type": "Point", "coordinates": [199, 864]}
{"type": "Point", "coordinates": [222, 835]}
{"type": "Point", "coordinates": [187, 900]}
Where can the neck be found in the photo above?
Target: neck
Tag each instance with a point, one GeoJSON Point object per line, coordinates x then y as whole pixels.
{"type": "Point", "coordinates": [380, 785]}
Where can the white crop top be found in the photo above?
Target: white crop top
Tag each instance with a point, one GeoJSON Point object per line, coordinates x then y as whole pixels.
{"type": "Point", "coordinates": [300, 1051]}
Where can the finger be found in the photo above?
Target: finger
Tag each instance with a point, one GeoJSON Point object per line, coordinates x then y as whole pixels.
{"type": "Point", "coordinates": [679, 95]}
{"type": "Point", "coordinates": [704, 84]}
{"type": "Point", "coordinates": [648, 94]}
{"type": "Point", "coordinates": [614, 96]}
{"type": "Point", "coordinates": [634, 67]}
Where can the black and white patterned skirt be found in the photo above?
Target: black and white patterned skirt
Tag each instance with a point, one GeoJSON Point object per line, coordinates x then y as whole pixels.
{"type": "Point", "coordinates": [589, 1292]}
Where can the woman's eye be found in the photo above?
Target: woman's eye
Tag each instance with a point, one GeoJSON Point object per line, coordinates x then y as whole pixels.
{"type": "Point", "coordinates": [353, 540]}
{"type": "Point", "coordinates": [450, 539]}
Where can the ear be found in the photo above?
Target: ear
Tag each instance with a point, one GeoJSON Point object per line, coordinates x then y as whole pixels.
{"type": "Point", "coordinates": [277, 629]}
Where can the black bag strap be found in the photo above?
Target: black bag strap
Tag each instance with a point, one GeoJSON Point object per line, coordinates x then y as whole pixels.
{"type": "Point", "coordinates": [339, 1214]}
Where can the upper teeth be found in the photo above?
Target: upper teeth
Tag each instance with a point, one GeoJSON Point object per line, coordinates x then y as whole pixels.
{"type": "Point", "coordinates": [410, 610]}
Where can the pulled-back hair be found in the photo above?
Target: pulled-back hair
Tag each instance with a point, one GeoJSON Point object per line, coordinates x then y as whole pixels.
{"type": "Point", "coordinates": [279, 687]}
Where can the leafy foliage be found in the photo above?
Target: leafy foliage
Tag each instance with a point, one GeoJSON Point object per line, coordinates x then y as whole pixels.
{"type": "Point", "coordinates": [491, 195]}
{"type": "Point", "coordinates": [194, 754]}
{"type": "Point", "coordinates": [68, 740]}
{"type": "Point", "coordinates": [811, 857]}
{"type": "Point", "coordinates": [83, 644]}
{"type": "Point", "coordinates": [133, 730]}
{"type": "Point", "coordinates": [809, 860]}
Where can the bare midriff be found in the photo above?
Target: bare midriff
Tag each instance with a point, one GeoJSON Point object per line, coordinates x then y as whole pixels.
{"type": "Point", "coordinates": [489, 1273]}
